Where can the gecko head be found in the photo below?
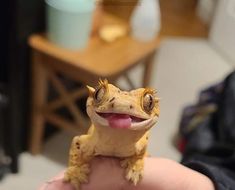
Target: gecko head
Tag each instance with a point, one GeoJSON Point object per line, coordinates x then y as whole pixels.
{"type": "Point", "coordinates": [108, 106]}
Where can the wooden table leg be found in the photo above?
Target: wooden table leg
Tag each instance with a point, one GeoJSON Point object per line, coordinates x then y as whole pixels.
{"type": "Point", "coordinates": [148, 63]}
{"type": "Point", "coordinates": [39, 98]}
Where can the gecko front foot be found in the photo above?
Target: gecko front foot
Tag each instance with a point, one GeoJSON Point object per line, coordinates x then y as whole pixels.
{"type": "Point", "coordinates": [134, 169]}
{"type": "Point", "coordinates": [77, 175]}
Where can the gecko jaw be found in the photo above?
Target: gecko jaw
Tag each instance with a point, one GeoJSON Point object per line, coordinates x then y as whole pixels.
{"type": "Point", "coordinates": [134, 123]}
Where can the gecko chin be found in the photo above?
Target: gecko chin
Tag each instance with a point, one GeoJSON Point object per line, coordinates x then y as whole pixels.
{"type": "Point", "coordinates": [122, 121]}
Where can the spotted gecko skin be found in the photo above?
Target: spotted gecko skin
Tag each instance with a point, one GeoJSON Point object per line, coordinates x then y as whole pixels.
{"type": "Point", "coordinates": [120, 126]}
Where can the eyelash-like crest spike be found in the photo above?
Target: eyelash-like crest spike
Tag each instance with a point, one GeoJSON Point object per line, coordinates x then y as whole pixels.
{"type": "Point", "coordinates": [150, 91]}
{"type": "Point", "coordinates": [103, 83]}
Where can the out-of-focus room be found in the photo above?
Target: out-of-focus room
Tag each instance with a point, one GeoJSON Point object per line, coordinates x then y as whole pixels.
{"type": "Point", "coordinates": [52, 49]}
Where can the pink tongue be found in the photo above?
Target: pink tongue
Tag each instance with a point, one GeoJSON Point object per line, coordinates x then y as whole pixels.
{"type": "Point", "coordinates": [119, 121]}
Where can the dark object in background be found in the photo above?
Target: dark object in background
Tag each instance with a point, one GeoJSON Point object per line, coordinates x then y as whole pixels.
{"type": "Point", "coordinates": [226, 113]}
{"type": "Point", "coordinates": [4, 160]}
{"type": "Point", "coordinates": [4, 165]}
{"type": "Point", "coordinates": [209, 147]}
{"type": "Point", "coordinates": [26, 17]}
{"type": "Point", "coordinates": [19, 19]}
{"type": "Point", "coordinates": [198, 116]}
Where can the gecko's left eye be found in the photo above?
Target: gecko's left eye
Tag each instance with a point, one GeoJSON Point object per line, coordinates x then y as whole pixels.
{"type": "Point", "coordinates": [148, 102]}
{"type": "Point", "coordinates": [99, 94]}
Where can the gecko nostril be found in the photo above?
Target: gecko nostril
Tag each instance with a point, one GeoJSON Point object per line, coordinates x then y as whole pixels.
{"type": "Point", "coordinates": [112, 105]}
{"type": "Point", "coordinates": [131, 107]}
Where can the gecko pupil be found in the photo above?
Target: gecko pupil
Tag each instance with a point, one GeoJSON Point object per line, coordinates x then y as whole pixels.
{"type": "Point", "coordinates": [148, 102]}
{"type": "Point", "coordinates": [96, 94]}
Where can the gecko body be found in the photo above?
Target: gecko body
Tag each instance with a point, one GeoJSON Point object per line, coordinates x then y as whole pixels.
{"type": "Point", "coordinates": [120, 127]}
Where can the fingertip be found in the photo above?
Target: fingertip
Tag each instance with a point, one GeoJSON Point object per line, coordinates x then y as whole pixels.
{"type": "Point", "coordinates": [56, 183]}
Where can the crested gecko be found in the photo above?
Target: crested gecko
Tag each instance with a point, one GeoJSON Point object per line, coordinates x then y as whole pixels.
{"type": "Point", "coordinates": [120, 127]}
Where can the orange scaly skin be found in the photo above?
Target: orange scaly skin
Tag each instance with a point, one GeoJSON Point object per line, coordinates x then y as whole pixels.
{"type": "Point", "coordinates": [128, 144]}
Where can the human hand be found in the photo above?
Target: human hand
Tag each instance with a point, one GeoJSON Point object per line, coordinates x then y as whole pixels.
{"type": "Point", "coordinates": [106, 174]}
{"type": "Point", "coordinates": [159, 174]}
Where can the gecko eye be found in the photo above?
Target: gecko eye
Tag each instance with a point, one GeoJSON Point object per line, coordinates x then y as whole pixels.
{"type": "Point", "coordinates": [148, 102]}
{"type": "Point", "coordinates": [99, 94]}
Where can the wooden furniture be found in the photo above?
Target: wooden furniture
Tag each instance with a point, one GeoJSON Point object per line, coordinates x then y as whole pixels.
{"type": "Point", "coordinates": [179, 18]}
{"type": "Point", "coordinates": [97, 60]}
{"type": "Point", "coordinates": [120, 8]}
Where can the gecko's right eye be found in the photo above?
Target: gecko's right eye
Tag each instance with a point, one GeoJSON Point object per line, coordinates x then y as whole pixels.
{"type": "Point", "coordinates": [99, 94]}
{"type": "Point", "coordinates": [148, 102]}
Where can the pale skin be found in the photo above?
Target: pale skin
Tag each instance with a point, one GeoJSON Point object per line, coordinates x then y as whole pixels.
{"type": "Point", "coordinates": [159, 174]}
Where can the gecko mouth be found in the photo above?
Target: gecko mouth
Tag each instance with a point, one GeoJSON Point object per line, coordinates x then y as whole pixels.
{"type": "Point", "coordinates": [119, 120]}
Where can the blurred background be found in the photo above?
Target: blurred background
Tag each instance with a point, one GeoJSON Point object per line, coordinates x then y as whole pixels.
{"type": "Point", "coordinates": [51, 48]}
